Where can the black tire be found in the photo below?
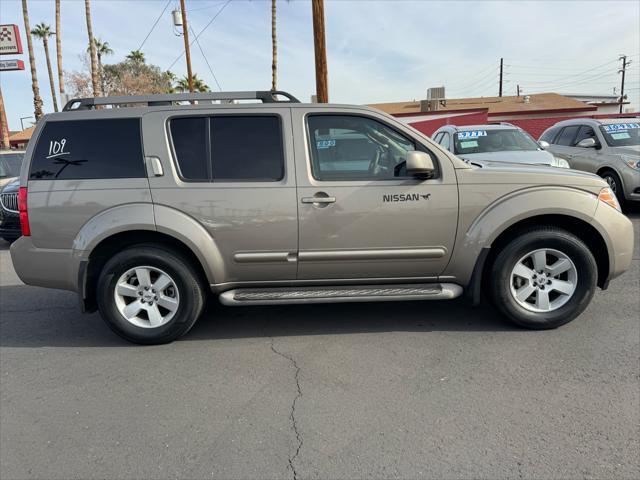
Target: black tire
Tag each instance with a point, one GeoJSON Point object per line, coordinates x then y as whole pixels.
{"type": "Point", "coordinates": [615, 184]}
{"type": "Point", "coordinates": [528, 241]}
{"type": "Point", "coordinates": [187, 280]}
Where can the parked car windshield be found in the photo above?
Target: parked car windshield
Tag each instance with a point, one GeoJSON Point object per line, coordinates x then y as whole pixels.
{"type": "Point", "coordinates": [10, 164]}
{"type": "Point", "coordinates": [621, 134]}
{"type": "Point", "coordinates": [482, 141]}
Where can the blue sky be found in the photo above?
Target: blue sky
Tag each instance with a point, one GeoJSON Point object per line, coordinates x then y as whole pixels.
{"type": "Point", "coordinates": [377, 50]}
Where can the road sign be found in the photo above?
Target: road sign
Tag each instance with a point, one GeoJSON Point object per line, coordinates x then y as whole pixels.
{"type": "Point", "coordinates": [10, 40]}
{"type": "Point", "coordinates": [8, 65]}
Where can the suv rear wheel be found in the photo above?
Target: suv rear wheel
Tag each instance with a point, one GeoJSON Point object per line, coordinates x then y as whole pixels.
{"type": "Point", "coordinates": [150, 295]}
{"type": "Point", "coordinates": [544, 278]}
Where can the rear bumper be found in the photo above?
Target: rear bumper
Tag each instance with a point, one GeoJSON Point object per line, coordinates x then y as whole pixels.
{"type": "Point", "coordinates": [45, 267]}
{"type": "Point", "coordinates": [617, 231]}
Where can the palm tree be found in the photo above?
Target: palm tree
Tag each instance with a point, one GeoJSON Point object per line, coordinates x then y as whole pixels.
{"type": "Point", "coordinates": [136, 56]}
{"type": "Point", "coordinates": [171, 78]}
{"type": "Point", "coordinates": [43, 32]}
{"type": "Point", "coordinates": [274, 47]}
{"type": "Point", "coordinates": [102, 48]}
{"type": "Point", "coordinates": [182, 85]}
{"type": "Point", "coordinates": [92, 49]}
{"type": "Point", "coordinates": [37, 101]}
{"type": "Point", "coordinates": [59, 52]}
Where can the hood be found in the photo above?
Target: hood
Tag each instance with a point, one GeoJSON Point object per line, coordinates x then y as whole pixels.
{"type": "Point", "coordinates": [633, 150]}
{"type": "Point", "coordinates": [10, 185]}
{"type": "Point", "coordinates": [519, 175]}
{"type": "Point", "coordinates": [533, 157]}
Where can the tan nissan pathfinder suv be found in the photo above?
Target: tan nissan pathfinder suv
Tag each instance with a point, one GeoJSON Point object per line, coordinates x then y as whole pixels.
{"type": "Point", "coordinates": [145, 207]}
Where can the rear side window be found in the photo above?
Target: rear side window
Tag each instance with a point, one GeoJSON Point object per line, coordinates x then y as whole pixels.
{"type": "Point", "coordinates": [549, 135]}
{"type": "Point", "coordinates": [229, 148]}
{"type": "Point", "coordinates": [89, 149]}
{"type": "Point", "coordinates": [567, 135]}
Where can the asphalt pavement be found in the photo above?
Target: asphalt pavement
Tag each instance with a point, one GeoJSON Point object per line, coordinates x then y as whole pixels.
{"type": "Point", "coordinates": [391, 390]}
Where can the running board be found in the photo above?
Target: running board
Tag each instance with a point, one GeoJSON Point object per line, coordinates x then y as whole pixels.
{"type": "Point", "coordinates": [368, 293]}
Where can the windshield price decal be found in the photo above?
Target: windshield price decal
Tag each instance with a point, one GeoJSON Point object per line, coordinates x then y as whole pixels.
{"type": "Point", "coordinates": [621, 126]}
{"type": "Point", "coordinates": [472, 134]}
{"type": "Point", "coordinates": [325, 143]}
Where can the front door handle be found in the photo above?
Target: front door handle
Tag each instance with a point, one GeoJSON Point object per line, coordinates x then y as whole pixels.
{"type": "Point", "coordinates": [319, 198]}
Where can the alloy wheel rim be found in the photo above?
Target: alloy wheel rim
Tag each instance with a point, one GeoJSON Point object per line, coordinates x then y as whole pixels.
{"type": "Point", "coordinates": [146, 297]}
{"type": "Point", "coordinates": [543, 280]}
{"type": "Point", "coordinates": [611, 182]}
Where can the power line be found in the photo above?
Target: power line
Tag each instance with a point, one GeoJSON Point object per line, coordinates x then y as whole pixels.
{"type": "Point", "coordinates": [201, 32]}
{"type": "Point", "coordinates": [206, 60]}
{"type": "Point", "coordinates": [154, 25]}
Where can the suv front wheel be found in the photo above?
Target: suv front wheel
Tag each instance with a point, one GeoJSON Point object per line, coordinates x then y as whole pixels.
{"type": "Point", "coordinates": [543, 278]}
{"type": "Point", "coordinates": [149, 295]}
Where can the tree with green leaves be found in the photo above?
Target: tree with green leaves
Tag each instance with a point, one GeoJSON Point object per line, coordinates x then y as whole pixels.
{"type": "Point", "coordinates": [43, 32]}
{"type": "Point", "coordinates": [182, 85]}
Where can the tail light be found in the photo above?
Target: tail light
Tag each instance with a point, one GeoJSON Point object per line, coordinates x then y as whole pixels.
{"type": "Point", "coordinates": [24, 214]}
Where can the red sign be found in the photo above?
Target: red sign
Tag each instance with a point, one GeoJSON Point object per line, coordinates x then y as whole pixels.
{"type": "Point", "coordinates": [10, 43]}
{"type": "Point", "coordinates": [8, 65]}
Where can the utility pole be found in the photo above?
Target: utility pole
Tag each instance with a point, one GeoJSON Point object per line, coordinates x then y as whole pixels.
{"type": "Point", "coordinates": [185, 34]}
{"type": "Point", "coordinates": [625, 64]}
{"type": "Point", "coordinates": [322, 87]}
{"type": "Point", "coordinates": [501, 68]}
{"type": "Point", "coordinates": [518, 87]}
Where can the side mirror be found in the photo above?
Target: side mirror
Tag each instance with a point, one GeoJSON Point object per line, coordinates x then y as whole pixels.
{"type": "Point", "coordinates": [419, 164]}
{"type": "Point", "coordinates": [543, 145]}
{"type": "Point", "coordinates": [587, 143]}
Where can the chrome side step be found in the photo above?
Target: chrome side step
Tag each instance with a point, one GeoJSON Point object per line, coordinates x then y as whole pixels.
{"type": "Point", "coordinates": [335, 294]}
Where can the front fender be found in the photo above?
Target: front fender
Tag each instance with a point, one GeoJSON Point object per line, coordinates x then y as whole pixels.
{"type": "Point", "coordinates": [479, 232]}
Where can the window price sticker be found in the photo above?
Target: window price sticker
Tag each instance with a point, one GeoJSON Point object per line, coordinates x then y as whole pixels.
{"type": "Point", "coordinates": [616, 127]}
{"type": "Point", "coordinates": [472, 134]}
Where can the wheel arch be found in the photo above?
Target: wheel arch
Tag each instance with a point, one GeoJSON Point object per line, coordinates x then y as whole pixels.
{"type": "Point", "coordinates": [578, 227]}
{"type": "Point", "coordinates": [91, 267]}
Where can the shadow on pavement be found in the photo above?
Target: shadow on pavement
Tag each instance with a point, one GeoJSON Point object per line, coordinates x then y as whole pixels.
{"type": "Point", "coordinates": [52, 321]}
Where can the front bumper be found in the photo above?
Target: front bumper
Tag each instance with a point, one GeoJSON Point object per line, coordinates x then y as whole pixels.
{"type": "Point", "coordinates": [631, 184]}
{"type": "Point", "coordinates": [9, 225]}
{"type": "Point", "coordinates": [617, 231]}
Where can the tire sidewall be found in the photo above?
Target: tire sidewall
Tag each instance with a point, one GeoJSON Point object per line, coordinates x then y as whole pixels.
{"type": "Point", "coordinates": [190, 301]}
{"type": "Point", "coordinates": [586, 279]}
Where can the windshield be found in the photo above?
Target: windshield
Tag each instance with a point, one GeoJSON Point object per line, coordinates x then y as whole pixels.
{"type": "Point", "coordinates": [621, 134]}
{"type": "Point", "coordinates": [10, 164]}
{"type": "Point", "coordinates": [482, 141]}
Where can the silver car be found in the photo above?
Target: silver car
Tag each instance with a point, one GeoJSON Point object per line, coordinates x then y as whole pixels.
{"type": "Point", "coordinates": [143, 210]}
{"type": "Point", "coordinates": [494, 143]}
{"type": "Point", "coordinates": [607, 147]}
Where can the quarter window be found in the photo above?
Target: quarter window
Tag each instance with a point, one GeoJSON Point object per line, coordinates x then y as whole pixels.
{"type": "Point", "coordinates": [89, 149]}
{"type": "Point", "coordinates": [348, 147]}
{"type": "Point", "coordinates": [446, 141]}
{"type": "Point", "coordinates": [229, 148]}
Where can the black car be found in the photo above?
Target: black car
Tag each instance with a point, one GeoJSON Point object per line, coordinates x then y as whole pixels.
{"type": "Point", "coordinates": [9, 216]}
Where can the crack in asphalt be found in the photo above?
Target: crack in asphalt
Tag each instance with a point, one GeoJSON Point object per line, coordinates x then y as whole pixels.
{"type": "Point", "coordinates": [292, 413]}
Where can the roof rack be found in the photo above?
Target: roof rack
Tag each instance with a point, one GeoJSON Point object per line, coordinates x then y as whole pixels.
{"type": "Point", "coordinates": [268, 96]}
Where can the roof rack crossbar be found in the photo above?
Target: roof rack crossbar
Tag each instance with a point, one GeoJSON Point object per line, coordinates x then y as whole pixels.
{"type": "Point", "coordinates": [266, 96]}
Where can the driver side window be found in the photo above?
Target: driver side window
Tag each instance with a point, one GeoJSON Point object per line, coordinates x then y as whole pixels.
{"type": "Point", "coordinates": [349, 147]}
